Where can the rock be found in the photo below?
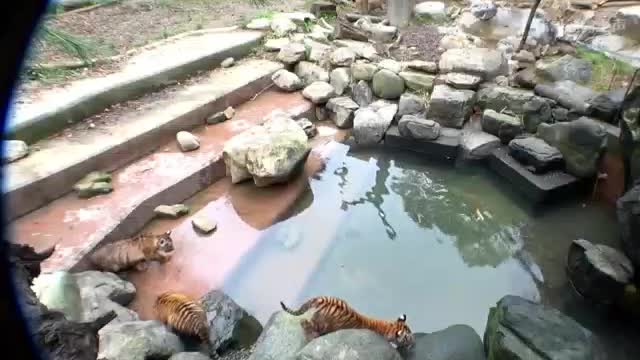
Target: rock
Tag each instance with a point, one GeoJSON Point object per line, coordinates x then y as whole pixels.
{"type": "Point", "coordinates": [386, 109]}
{"type": "Point", "coordinates": [362, 93]}
{"type": "Point", "coordinates": [390, 65]}
{"type": "Point", "coordinates": [282, 26]}
{"type": "Point", "coordinates": [574, 33]}
{"type": "Point", "coordinates": [102, 292]}
{"type": "Point", "coordinates": [341, 111]}
{"type": "Point", "coordinates": [605, 106]}
{"type": "Point", "coordinates": [216, 118]}
{"type": "Point", "coordinates": [227, 321]}
{"type": "Point", "coordinates": [457, 342]}
{"type": "Point", "coordinates": [501, 98]}
{"type": "Point", "coordinates": [462, 81]}
{"type": "Point", "coordinates": [362, 49]}
{"type": "Point", "coordinates": [310, 73]}
{"type": "Point", "coordinates": [228, 62]}
{"type": "Point", "coordinates": [187, 141]}
{"type": "Point", "coordinates": [369, 127]}
{"type": "Point", "coordinates": [521, 329]}
{"type": "Point", "coordinates": [321, 113]}
{"type": "Point", "coordinates": [171, 211]}
{"type": "Point", "coordinates": [526, 79]}
{"type": "Point", "coordinates": [319, 53]}
{"type": "Point", "coordinates": [298, 17]}
{"type": "Point", "coordinates": [349, 345]}
{"type": "Point", "coordinates": [477, 145]}
{"type": "Point", "coordinates": [411, 104]}
{"type": "Point", "coordinates": [536, 153]}
{"type": "Point", "coordinates": [308, 127]}
{"type": "Point", "coordinates": [59, 291]}
{"type": "Point", "coordinates": [629, 221]}
{"type": "Point", "coordinates": [424, 66]}
{"type": "Point", "coordinates": [319, 8]}
{"type": "Point", "coordinates": [565, 68]}
{"type": "Point", "coordinates": [229, 112]}
{"type": "Point", "coordinates": [415, 127]}
{"type": "Point", "coordinates": [483, 9]}
{"type": "Point", "coordinates": [319, 92]}
{"type": "Point", "coordinates": [501, 80]}
{"type": "Point", "coordinates": [524, 56]}
{"type": "Point", "coordinates": [417, 81]}
{"type": "Point", "coordinates": [536, 111]}
{"type": "Point", "coordinates": [503, 126]}
{"type": "Point", "coordinates": [137, 340]}
{"type": "Point", "coordinates": [382, 33]}
{"type": "Point", "coordinates": [189, 356]}
{"type": "Point", "coordinates": [598, 272]}
{"type": "Point", "coordinates": [259, 24]}
{"type": "Point", "coordinates": [627, 22]}
{"type": "Point", "coordinates": [387, 84]}
{"type": "Point", "coordinates": [450, 107]}
{"type": "Point", "coordinates": [581, 143]}
{"type": "Point", "coordinates": [286, 80]}
{"type": "Point", "coordinates": [459, 41]}
{"type": "Point", "coordinates": [276, 44]}
{"type": "Point", "coordinates": [630, 136]}
{"type": "Point", "coordinates": [560, 114]}
{"type": "Point", "coordinates": [14, 150]}
{"type": "Point", "coordinates": [340, 79]}
{"type": "Point", "coordinates": [363, 71]}
{"type": "Point", "coordinates": [568, 94]}
{"type": "Point", "coordinates": [482, 62]}
{"type": "Point", "coordinates": [291, 53]}
{"type": "Point", "coordinates": [343, 56]}
{"type": "Point", "coordinates": [431, 9]}
{"type": "Point", "coordinates": [204, 224]}
{"type": "Point", "coordinates": [94, 183]}
{"type": "Point", "coordinates": [281, 338]}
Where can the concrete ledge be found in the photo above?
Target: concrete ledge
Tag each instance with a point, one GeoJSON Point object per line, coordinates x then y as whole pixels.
{"type": "Point", "coordinates": [51, 172]}
{"type": "Point", "coordinates": [443, 148]}
{"type": "Point", "coordinates": [144, 72]}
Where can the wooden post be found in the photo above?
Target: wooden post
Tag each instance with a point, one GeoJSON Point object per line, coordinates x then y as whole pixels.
{"type": "Point", "coordinates": [364, 6]}
{"type": "Point", "coordinates": [528, 26]}
{"type": "Point", "coordinates": [399, 12]}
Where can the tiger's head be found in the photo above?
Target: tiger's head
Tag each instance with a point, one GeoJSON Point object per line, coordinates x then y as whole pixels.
{"type": "Point", "coordinates": [400, 335]}
{"type": "Point", "coordinates": [164, 243]}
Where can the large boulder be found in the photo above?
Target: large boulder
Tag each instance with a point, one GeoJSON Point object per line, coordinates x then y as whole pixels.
{"type": "Point", "coordinates": [361, 48]}
{"type": "Point", "coordinates": [500, 98]}
{"type": "Point", "coordinates": [319, 92]}
{"type": "Point", "coordinates": [411, 104]}
{"type": "Point", "coordinates": [519, 329]}
{"type": "Point", "coordinates": [535, 112]}
{"type": "Point", "coordinates": [269, 154]}
{"type": "Point", "coordinates": [417, 81]}
{"type": "Point", "coordinates": [605, 106]}
{"type": "Point", "coordinates": [138, 340]}
{"type": "Point", "coordinates": [282, 26]}
{"type": "Point", "coordinates": [343, 56]}
{"type": "Point", "coordinates": [450, 107]}
{"type": "Point", "coordinates": [415, 127]}
{"type": "Point", "coordinates": [369, 126]}
{"type": "Point", "coordinates": [629, 219]}
{"type": "Point", "coordinates": [504, 126]}
{"type": "Point", "coordinates": [483, 62]}
{"type": "Point", "coordinates": [363, 71]}
{"type": "Point", "coordinates": [581, 142]}
{"type": "Point", "coordinates": [102, 292]}
{"type": "Point", "coordinates": [568, 94]}
{"type": "Point", "coordinates": [391, 65]}
{"type": "Point", "coordinates": [536, 154]}
{"type": "Point", "coordinates": [59, 291]}
{"type": "Point", "coordinates": [483, 9]}
{"type": "Point", "coordinates": [477, 145]}
{"type": "Point", "coordinates": [281, 338]}
{"type": "Point", "coordinates": [349, 344]}
{"type": "Point", "coordinates": [340, 79]}
{"type": "Point", "coordinates": [457, 342]}
{"type": "Point", "coordinates": [362, 94]}
{"type": "Point", "coordinates": [627, 22]}
{"type": "Point", "coordinates": [309, 73]}
{"type": "Point", "coordinates": [286, 80]}
{"type": "Point", "coordinates": [387, 84]}
{"type": "Point", "coordinates": [565, 68]}
{"type": "Point", "coordinates": [341, 111]}
{"type": "Point", "coordinates": [436, 10]}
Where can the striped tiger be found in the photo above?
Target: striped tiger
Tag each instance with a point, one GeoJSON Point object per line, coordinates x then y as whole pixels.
{"type": "Point", "coordinates": [332, 314]}
{"type": "Point", "coordinates": [182, 313]}
{"type": "Point", "coordinates": [135, 252]}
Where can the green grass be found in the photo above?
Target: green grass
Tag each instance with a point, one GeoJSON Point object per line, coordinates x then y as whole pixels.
{"type": "Point", "coordinates": [72, 45]}
{"type": "Point", "coordinates": [603, 69]}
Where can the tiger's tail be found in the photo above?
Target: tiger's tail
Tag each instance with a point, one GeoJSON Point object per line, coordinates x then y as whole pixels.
{"type": "Point", "coordinates": [298, 312]}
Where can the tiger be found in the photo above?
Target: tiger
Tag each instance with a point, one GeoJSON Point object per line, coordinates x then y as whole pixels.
{"type": "Point", "coordinates": [135, 252]}
{"type": "Point", "coordinates": [183, 313]}
{"type": "Point", "coordinates": [334, 314]}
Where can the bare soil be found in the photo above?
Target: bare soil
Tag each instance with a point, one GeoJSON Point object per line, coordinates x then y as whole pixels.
{"type": "Point", "coordinates": [419, 42]}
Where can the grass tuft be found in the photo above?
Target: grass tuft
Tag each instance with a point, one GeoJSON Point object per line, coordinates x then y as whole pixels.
{"type": "Point", "coordinates": [604, 69]}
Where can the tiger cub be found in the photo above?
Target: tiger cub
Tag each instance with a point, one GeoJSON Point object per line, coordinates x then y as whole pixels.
{"type": "Point", "coordinates": [182, 313]}
{"type": "Point", "coordinates": [135, 252]}
{"type": "Point", "coordinates": [332, 314]}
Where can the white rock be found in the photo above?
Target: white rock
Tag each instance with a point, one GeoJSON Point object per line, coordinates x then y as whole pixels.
{"type": "Point", "coordinates": [204, 224]}
{"type": "Point", "coordinates": [59, 291]}
{"type": "Point", "coordinates": [415, 127]}
{"type": "Point", "coordinates": [477, 145]}
{"type": "Point", "coordinates": [433, 9]}
{"type": "Point", "coordinates": [340, 110]}
{"type": "Point", "coordinates": [319, 92]}
{"type": "Point", "coordinates": [286, 80]}
{"type": "Point", "coordinates": [309, 72]}
{"type": "Point", "coordinates": [390, 65]}
{"type": "Point", "coordinates": [14, 150]}
{"type": "Point", "coordinates": [228, 62]}
{"type": "Point", "coordinates": [340, 79]}
{"type": "Point", "coordinates": [282, 26]}
{"type": "Point", "coordinates": [627, 22]}
{"type": "Point", "coordinates": [259, 24]}
{"type": "Point", "coordinates": [363, 71]}
{"type": "Point", "coordinates": [276, 44]}
{"type": "Point", "coordinates": [362, 49]}
{"type": "Point", "coordinates": [483, 62]}
{"type": "Point", "coordinates": [343, 57]}
{"type": "Point", "coordinates": [483, 9]}
{"type": "Point", "coordinates": [291, 53]}
{"type": "Point", "coordinates": [187, 141]}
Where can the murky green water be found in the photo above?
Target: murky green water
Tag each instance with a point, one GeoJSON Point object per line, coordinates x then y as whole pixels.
{"type": "Point", "coordinates": [392, 233]}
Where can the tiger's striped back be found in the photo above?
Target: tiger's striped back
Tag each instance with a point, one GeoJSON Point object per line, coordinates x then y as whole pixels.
{"type": "Point", "coordinates": [182, 313]}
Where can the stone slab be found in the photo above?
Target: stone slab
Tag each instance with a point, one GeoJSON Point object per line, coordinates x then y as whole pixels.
{"type": "Point", "coordinates": [445, 147]}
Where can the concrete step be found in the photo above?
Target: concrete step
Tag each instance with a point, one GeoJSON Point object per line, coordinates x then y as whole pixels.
{"type": "Point", "coordinates": [154, 66]}
{"type": "Point", "coordinates": [166, 176]}
{"type": "Point", "coordinates": [61, 161]}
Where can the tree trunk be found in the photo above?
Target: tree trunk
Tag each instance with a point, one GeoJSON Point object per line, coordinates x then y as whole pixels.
{"type": "Point", "coordinates": [528, 26]}
{"type": "Point", "coordinates": [364, 6]}
{"type": "Point", "coordinates": [399, 12]}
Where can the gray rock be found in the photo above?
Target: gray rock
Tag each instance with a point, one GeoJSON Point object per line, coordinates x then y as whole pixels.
{"type": "Point", "coordinates": [501, 80]}
{"type": "Point", "coordinates": [281, 338]}
{"type": "Point", "coordinates": [524, 56]}
{"type": "Point", "coordinates": [171, 211]}
{"type": "Point", "coordinates": [227, 321]}
{"type": "Point", "coordinates": [431, 9]}
{"type": "Point", "coordinates": [581, 142]}
{"type": "Point", "coordinates": [560, 114]}
{"type": "Point", "coordinates": [387, 84]}
{"type": "Point", "coordinates": [520, 329]}
{"type": "Point", "coordinates": [483, 9]}
{"type": "Point", "coordinates": [363, 71]}
{"type": "Point", "coordinates": [187, 141]}
{"type": "Point", "coordinates": [565, 68]}
{"type": "Point", "coordinates": [203, 224]}
{"type": "Point", "coordinates": [457, 342]}
{"type": "Point", "coordinates": [568, 94]}
{"type": "Point", "coordinates": [310, 73]}
{"type": "Point", "coordinates": [276, 44]}
{"type": "Point", "coordinates": [319, 53]}
{"type": "Point", "coordinates": [340, 79]}
{"type": "Point", "coordinates": [411, 104]}
{"type": "Point", "coordinates": [536, 153]}
{"type": "Point", "coordinates": [189, 356]}
{"type": "Point", "coordinates": [629, 221]}
{"type": "Point", "coordinates": [343, 56]}
{"type": "Point", "coordinates": [536, 111]}
{"type": "Point", "coordinates": [282, 26]}
{"type": "Point", "coordinates": [605, 106]}
{"type": "Point", "coordinates": [102, 292]}
{"type": "Point", "coordinates": [477, 145]}
{"type": "Point", "coordinates": [362, 49]}
{"type": "Point", "coordinates": [319, 92]}
{"type": "Point", "coordinates": [417, 81]}
{"type": "Point", "coordinates": [421, 65]}
{"type": "Point", "coordinates": [349, 345]}
{"type": "Point", "coordinates": [291, 53]}
{"type": "Point", "coordinates": [137, 340]}
{"type": "Point", "coordinates": [216, 118]}
{"type": "Point", "coordinates": [462, 81]}
{"type": "Point", "coordinates": [369, 127]}
{"type": "Point", "coordinates": [321, 113]}
{"type": "Point", "coordinates": [500, 98]}
{"type": "Point", "coordinates": [390, 65]}
{"type": "Point", "coordinates": [308, 127]}
{"type": "Point", "coordinates": [479, 61]}
{"type": "Point", "coordinates": [382, 33]}
{"type": "Point", "coordinates": [59, 291]}
{"type": "Point", "coordinates": [503, 126]}
{"type": "Point", "coordinates": [526, 79]}
{"type": "Point", "coordinates": [259, 24]}
{"type": "Point", "coordinates": [450, 107]}
{"type": "Point", "coordinates": [627, 22]}
{"type": "Point", "coordinates": [386, 109]}
{"type": "Point", "coordinates": [362, 93]}
{"type": "Point", "coordinates": [286, 80]}
{"type": "Point", "coordinates": [14, 150]}
{"type": "Point", "coordinates": [94, 183]}
{"type": "Point", "coordinates": [415, 127]}
{"type": "Point", "coordinates": [581, 33]}
{"type": "Point", "coordinates": [341, 111]}
{"type": "Point", "coordinates": [228, 62]}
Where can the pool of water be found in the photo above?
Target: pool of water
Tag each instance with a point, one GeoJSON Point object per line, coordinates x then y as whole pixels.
{"type": "Point", "coordinates": [393, 233]}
